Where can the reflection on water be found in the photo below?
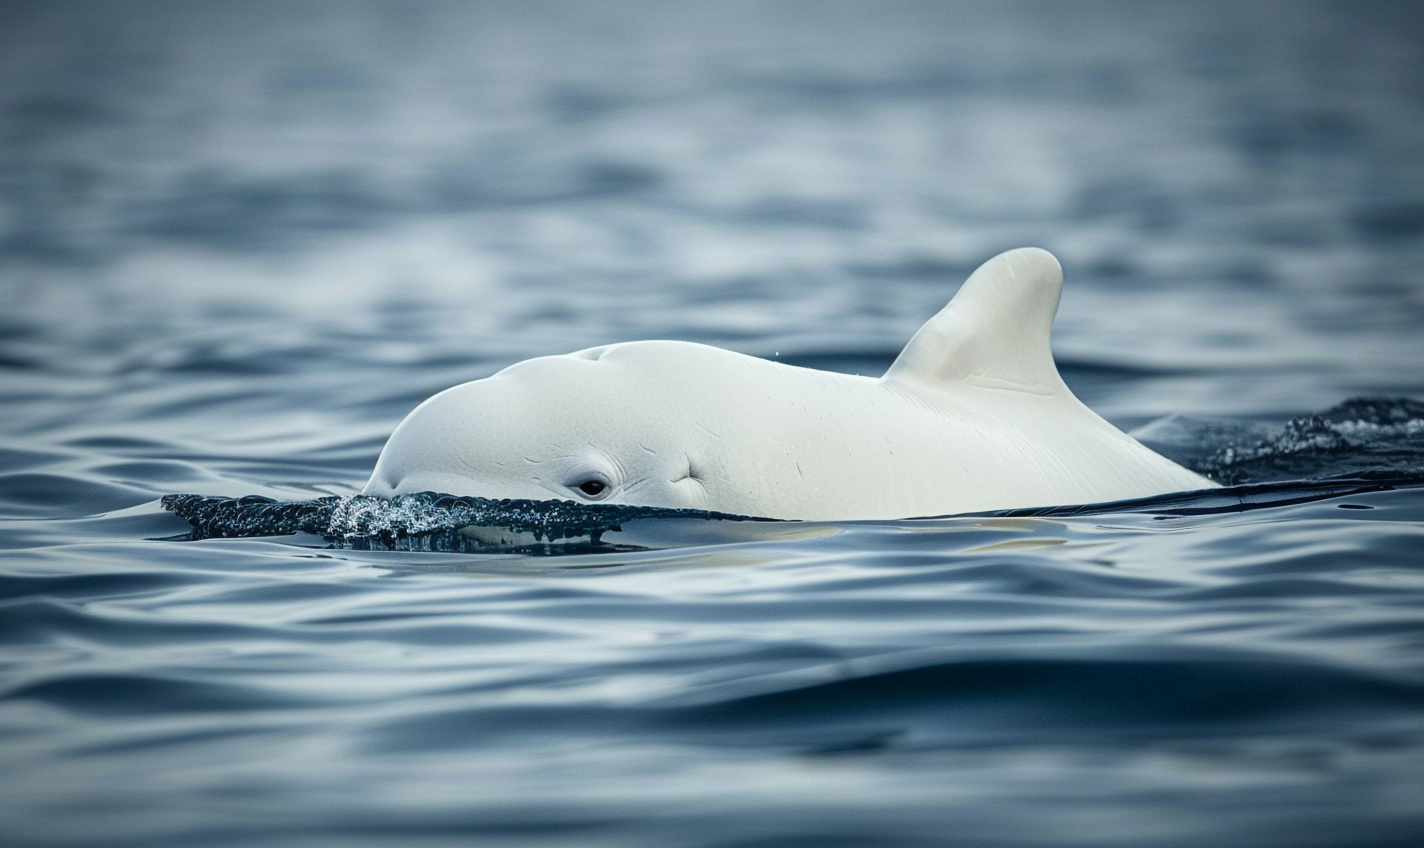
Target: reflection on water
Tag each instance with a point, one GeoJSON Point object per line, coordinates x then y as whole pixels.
{"type": "Point", "coordinates": [239, 243]}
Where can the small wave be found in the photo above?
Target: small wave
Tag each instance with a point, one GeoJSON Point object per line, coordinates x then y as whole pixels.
{"type": "Point", "coordinates": [933, 700]}
{"type": "Point", "coordinates": [1358, 437]}
{"type": "Point", "coordinates": [424, 521]}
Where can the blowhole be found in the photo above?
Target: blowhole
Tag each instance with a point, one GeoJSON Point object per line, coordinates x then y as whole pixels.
{"type": "Point", "coordinates": [690, 473]}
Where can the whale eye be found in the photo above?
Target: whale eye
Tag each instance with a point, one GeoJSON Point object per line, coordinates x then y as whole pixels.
{"type": "Point", "coordinates": [591, 480]}
{"type": "Point", "coordinates": [593, 488]}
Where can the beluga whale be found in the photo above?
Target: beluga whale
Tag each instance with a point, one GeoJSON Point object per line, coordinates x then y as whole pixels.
{"type": "Point", "coordinates": [971, 417]}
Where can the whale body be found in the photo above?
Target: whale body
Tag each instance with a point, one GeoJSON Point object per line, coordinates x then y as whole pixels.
{"type": "Point", "coordinates": [972, 416]}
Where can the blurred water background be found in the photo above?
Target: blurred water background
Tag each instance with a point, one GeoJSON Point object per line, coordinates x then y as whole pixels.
{"type": "Point", "coordinates": [238, 242]}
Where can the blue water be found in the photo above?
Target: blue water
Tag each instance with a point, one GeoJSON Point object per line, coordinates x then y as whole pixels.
{"type": "Point", "coordinates": [239, 242]}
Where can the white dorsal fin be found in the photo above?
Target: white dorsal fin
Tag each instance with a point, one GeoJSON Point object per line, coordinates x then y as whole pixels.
{"type": "Point", "coordinates": [994, 333]}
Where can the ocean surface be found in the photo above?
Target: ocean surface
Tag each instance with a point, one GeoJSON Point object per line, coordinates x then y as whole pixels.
{"type": "Point", "coordinates": [239, 242]}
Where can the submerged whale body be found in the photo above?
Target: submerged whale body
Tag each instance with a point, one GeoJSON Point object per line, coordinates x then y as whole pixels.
{"type": "Point", "coordinates": [972, 416]}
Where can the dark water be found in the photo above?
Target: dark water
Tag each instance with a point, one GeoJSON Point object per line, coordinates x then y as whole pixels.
{"type": "Point", "coordinates": [238, 243]}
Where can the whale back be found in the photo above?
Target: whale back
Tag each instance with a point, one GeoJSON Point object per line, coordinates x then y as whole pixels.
{"type": "Point", "coordinates": [994, 333]}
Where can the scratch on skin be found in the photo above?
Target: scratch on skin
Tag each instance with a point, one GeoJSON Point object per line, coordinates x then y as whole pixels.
{"type": "Point", "coordinates": [708, 430]}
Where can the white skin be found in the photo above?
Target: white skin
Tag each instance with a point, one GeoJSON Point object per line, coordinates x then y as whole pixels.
{"type": "Point", "coordinates": [971, 417]}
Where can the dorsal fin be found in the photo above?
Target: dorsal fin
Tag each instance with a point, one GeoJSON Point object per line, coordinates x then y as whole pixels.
{"type": "Point", "coordinates": [994, 333]}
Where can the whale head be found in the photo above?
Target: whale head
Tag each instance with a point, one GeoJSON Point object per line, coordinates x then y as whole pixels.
{"type": "Point", "coordinates": [611, 424]}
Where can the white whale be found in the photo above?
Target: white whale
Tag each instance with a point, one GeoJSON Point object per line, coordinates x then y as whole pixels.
{"type": "Point", "coordinates": [972, 416]}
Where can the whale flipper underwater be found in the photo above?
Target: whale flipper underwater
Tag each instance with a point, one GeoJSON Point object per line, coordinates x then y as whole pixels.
{"type": "Point", "coordinates": [972, 416]}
